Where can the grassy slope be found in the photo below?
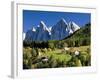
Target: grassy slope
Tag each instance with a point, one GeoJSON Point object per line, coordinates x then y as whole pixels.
{"type": "Point", "coordinates": [81, 48]}
{"type": "Point", "coordinates": [57, 54]}
{"type": "Point", "coordinates": [82, 35]}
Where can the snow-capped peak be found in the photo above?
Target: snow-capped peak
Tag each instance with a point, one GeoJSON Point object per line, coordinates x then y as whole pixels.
{"type": "Point", "coordinates": [63, 20]}
{"type": "Point", "coordinates": [43, 25]}
{"type": "Point", "coordinates": [73, 26]}
{"type": "Point", "coordinates": [58, 31]}
{"type": "Point", "coordinates": [70, 31]}
{"type": "Point", "coordinates": [33, 29]}
{"type": "Point", "coordinates": [41, 22]}
{"type": "Point", "coordinates": [49, 28]}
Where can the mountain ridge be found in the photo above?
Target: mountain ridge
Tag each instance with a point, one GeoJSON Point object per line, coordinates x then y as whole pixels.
{"type": "Point", "coordinates": [58, 31]}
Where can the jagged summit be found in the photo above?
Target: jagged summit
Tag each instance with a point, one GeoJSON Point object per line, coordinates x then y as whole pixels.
{"type": "Point", "coordinates": [73, 26]}
{"type": "Point", "coordinates": [43, 26]}
{"type": "Point", "coordinates": [33, 29]}
{"type": "Point", "coordinates": [63, 20]}
{"type": "Point", "coordinates": [59, 31]}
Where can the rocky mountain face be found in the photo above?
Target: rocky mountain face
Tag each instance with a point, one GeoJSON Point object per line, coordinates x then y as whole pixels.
{"type": "Point", "coordinates": [59, 31]}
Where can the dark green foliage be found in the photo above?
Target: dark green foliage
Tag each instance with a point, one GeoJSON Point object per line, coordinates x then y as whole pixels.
{"type": "Point", "coordinates": [51, 45]}
{"type": "Point", "coordinates": [29, 58]}
{"type": "Point", "coordinates": [52, 62]}
{"type": "Point", "coordinates": [85, 58]}
{"type": "Point", "coordinates": [42, 65]}
{"type": "Point", "coordinates": [72, 62]}
{"type": "Point", "coordinates": [35, 44]}
{"type": "Point", "coordinates": [81, 37]}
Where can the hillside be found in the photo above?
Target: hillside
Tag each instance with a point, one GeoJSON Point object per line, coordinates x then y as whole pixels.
{"type": "Point", "coordinates": [81, 37]}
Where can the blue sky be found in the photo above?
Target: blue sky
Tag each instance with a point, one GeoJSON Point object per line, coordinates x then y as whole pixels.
{"type": "Point", "coordinates": [32, 18]}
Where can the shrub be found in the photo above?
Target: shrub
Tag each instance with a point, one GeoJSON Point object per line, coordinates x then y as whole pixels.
{"type": "Point", "coordinates": [71, 64]}
{"type": "Point", "coordinates": [34, 53]}
{"type": "Point", "coordinates": [51, 45]}
{"type": "Point", "coordinates": [78, 63]}
{"type": "Point", "coordinates": [85, 58]}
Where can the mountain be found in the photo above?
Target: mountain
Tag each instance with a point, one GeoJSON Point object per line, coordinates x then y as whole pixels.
{"type": "Point", "coordinates": [31, 35]}
{"type": "Point", "coordinates": [59, 31]}
{"type": "Point", "coordinates": [63, 29]}
{"type": "Point", "coordinates": [81, 37]}
{"type": "Point", "coordinates": [73, 26]}
{"type": "Point", "coordinates": [42, 33]}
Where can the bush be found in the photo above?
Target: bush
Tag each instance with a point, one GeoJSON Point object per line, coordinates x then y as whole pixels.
{"type": "Point", "coordinates": [34, 53]}
{"type": "Point", "coordinates": [78, 63]}
{"type": "Point", "coordinates": [52, 62]}
{"type": "Point", "coordinates": [71, 64]}
{"type": "Point", "coordinates": [51, 45]}
{"type": "Point", "coordinates": [42, 65]}
{"type": "Point", "coordinates": [85, 58]}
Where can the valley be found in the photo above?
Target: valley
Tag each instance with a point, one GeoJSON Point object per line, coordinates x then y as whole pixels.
{"type": "Point", "coordinates": [56, 58]}
{"type": "Point", "coordinates": [66, 45]}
